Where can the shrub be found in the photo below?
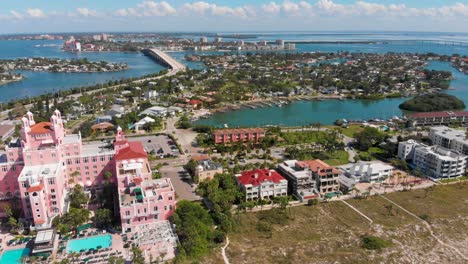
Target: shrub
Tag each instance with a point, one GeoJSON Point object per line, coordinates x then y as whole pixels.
{"type": "Point", "coordinates": [312, 202]}
{"type": "Point", "coordinates": [374, 243]}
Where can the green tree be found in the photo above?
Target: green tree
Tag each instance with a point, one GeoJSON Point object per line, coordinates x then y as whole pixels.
{"type": "Point", "coordinates": [77, 197]}
{"type": "Point", "coordinates": [102, 217]}
{"type": "Point", "coordinates": [368, 137]}
{"type": "Point", "coordinates": [195, 229]}
{"type": "Point", "coordinates": [137, 256]}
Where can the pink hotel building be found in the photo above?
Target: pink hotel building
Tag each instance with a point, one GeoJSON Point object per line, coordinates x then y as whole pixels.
{"type": "Point", "coordinates": [49, 162]}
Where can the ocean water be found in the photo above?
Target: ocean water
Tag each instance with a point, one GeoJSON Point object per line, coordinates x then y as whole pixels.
{"type": "Point", "coordinates": [37, 83]}
{"type": "Point", "coordinates": [299, 113]}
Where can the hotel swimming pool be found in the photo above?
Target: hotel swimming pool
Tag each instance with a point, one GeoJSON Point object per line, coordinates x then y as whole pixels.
{"type": "Point", "coordinates": [85, 244]}
{"type": "Point", "coordinates": [14, 256]}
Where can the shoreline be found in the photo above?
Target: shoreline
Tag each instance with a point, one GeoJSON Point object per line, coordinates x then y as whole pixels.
{"type": "Point", "coordinates": [261, 103]}
{"type": "Point", "coordinates": [22, 77]}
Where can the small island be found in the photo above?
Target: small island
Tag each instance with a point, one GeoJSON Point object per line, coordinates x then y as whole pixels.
{"type": "Point", "coordinates": [432, 102]}
{"type": "Point", "coordinates": [61, 65]}
{"type": "Point", "coordinates": [7, 67]}
{"type": "Point", "coordinates": [8, 77]}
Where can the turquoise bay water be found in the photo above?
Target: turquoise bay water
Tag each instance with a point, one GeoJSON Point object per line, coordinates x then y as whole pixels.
{"type": "Point", "coordinates": [299, 113]}
{"type": "Point", "coordinates": [327, 111]}
{"type": "Point", "coordinates": [37, 83]}
{"type": "Point", "coordinates": [76, 245]}
{"type": "Point", "coordinates": [13, 256]}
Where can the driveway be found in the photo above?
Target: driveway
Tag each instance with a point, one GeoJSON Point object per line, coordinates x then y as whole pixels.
{"type": "Point", "coordinates": [181, 181]}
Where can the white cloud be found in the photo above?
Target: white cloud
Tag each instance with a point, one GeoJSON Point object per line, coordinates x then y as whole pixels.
{"type": "Point", "coordinates": [290, 7]}
{"type": "Point", "coordinates": [305, 5]}
{"type": "Point", "coordinates": [148, 8]}
{"type": "Point", "coordinates": [86, 12]}
{"type": "Point", "coordinates": [203, 8]}
{"type": "Point", "coordinates": [151, 8]}
{"type": "Point", "coordinates": [16, 15]}
{"type": "Point", "coordinates": [272, 8]}
{"type": "Point", "coordinates": [35, 13]}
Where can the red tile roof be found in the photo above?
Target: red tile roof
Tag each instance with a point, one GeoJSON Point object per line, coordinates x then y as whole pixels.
{"type": "Point", "coordinates": [36, 188]}
{"type": "Point", "coordinates": [134, 150]}
{"type": "Point", "coordinates": [438, 114]}
{"type": "Point", "coordinates": [195, 102]}
{"type": "Point", "coordinates": [238, 131]}
{"type": "Point", "coordinates": [256, 177]}
{"type": "Point", "coordinates": [42, 127]}
{"type": "Point", "coordinates": [317, 165]}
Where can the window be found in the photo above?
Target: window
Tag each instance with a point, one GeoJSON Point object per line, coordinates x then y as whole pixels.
{"type": "Point", "coordinates": [54, 203]}
{"type": "Point", "coordinates": [94, 159]}
{"type": "Point", "coordinates": [127, 212]}
{"type": "Point", "coordinates": [85, 160]}
{"type": "Point", "coordinates": [77, 161]}
{"type": "Point", "coordinates": [26, 194]}
{"type": "Point", "coordinates": [4, 168]}
{"type": "Point", "coordinates": [51, 181]}
{"type": "Point", "coordinates": [53, 196]}
{"type": "Point", "coordinates": [94, 166]}
{"type": "Point", "coordinates": [13, 168]}
{"type": "Point", "coordinates": [38, 216]}
{"type": "Point", "coordinates": [69, 162]}
{"type": "Point", "coordinates": [103, 158]}
{"type": "Point", "coordinates": [24, 184]}
{"type": "Point", "coordinates": [37, 210]}
{"type": "Point", "coordinates": [165, 208]}
{"type": "Point", "coordinates": [52, 190]}
{"type": "Point", "coordinates": [86, 167]}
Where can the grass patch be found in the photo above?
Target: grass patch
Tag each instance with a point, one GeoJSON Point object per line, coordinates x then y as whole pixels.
{"type": "Point", "coordinates": [302, 137]}
{"type": "Point", "coordinates": [462, 178]}
{"type": "Point", "coordinates": [351, 130]}
{"type": "Point", "coordinates": [334, 233]}
{"type": "Point", "coordinates": [338, 157]}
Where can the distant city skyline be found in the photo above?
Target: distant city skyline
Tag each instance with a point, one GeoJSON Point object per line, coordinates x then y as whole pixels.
{"type": "Point", "coordinates": [24, 16]}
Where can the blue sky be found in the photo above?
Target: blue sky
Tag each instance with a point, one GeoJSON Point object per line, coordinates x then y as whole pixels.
{"type": "Point", "coordinates": [20, 16]}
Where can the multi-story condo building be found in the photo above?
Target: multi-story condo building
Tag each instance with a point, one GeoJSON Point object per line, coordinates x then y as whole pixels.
{"type": "Point", "coordinates": [438, 118]}
{"type": "Point", "coordinates": [449, 138]}
{"type": "Point", "coordinates": [326, 176]}
{"type": "Point", "coordinates": [262, 184]}
{"type": "Point", "coordinates": [301, 182]}
{"type": "Point", "coordinates": [238, 135]}
{"type": "Point", "coordinates": [371, 171]}
{"type": "Point", "coordinates": [48, 162]}
{"type": "Point", "coordinates": [434, 161]}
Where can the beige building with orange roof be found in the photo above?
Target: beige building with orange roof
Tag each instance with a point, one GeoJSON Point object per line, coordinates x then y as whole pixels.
{"type": "Point", "coordinates": [326, 176]}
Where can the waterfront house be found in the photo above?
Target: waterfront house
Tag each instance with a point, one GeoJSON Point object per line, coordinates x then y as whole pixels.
{"type": "Point", "coordinates": [367, 171]}
{"type": "Point", "coordinates": [223, 136]}
{"type": "Point", "coordinates": [438, 118]}
{"type": "Point", "coordinates": [262, 184]}
{"type": "Point", "coordinates": [326, 176]}
{"type": "Point", "coordinates": [301, 182]}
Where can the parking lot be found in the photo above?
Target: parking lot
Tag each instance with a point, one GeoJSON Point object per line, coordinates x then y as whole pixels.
{"type": "Point", "coordinates": [160, 145]}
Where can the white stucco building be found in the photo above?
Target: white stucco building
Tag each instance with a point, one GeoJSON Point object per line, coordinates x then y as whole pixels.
{"type": "Point", "coordinates": [373, 171]}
